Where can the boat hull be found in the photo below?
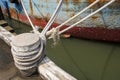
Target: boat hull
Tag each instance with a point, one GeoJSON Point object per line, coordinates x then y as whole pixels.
{"type": "Point", "coordinates": [104, 25]}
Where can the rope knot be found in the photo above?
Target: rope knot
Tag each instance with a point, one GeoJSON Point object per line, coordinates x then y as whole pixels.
{"type": "Point", "coordinates": [28, 51]}
{"type": "Point", "coordinates": [54, 34]}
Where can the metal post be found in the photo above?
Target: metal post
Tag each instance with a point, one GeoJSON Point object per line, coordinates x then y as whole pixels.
{"type": "Point", "coordinates": [27, 50]}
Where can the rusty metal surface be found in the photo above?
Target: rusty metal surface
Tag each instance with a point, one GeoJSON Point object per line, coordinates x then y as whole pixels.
{"type": "Point", "coordinates": [71, 7]}
{"type": "Point", "coordinates": [106, 21]}
{"type": "Point", "coordinates": [109, 17]}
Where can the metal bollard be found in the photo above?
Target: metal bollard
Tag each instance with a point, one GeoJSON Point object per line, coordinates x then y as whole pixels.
{"type": "Point", "coordinates": [27, 50]}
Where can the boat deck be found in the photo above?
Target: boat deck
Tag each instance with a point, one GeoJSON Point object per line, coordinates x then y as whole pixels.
{"type": "Point", "coordinates": [7, 69]}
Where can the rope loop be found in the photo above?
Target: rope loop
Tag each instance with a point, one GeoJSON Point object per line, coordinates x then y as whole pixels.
{"type": "Point", "coordinates": [54, 35]}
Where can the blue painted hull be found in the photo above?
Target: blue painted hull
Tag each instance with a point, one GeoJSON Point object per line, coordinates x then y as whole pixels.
{"type": "Point", "coordinates": [105, 22]}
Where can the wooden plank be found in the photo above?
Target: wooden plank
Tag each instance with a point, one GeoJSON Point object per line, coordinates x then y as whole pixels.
{"type": "Point", "coordinates": [8, 28]}
{"type": "Point", "coordinates": [2, 21]}
{"type": "Point", "coordinates": [5, 35]}
{"type": "Point", "coordinates": [50, 71]}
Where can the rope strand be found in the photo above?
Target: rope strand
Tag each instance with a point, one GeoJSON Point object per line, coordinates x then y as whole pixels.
{"type": "Point", "coordinates": [78, 13]}
{"type": "Point", "coordinates": [34, 29]}
{"type": "Point", "coordinates": [110, 2]}
{"type": "Point", "coordinates": [52, 18]}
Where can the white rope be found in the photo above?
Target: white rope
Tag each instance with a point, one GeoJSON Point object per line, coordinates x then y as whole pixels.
{"type": "Point", "coordinates": [52, 18]}
{"type": "Point", "coordinates": [29, 61]}
{"type": "Point", "coordinates": [54, 34]}
{"type": "Point", "coordinates": [24, 61]}
{"type": "Point", "coordinates": [78, 14]}
{"type": "Point", "coordinates": [44, 31]}
{"type": "Point", "coordinates": [34, 29]}
{"type": "Point", "coordinates": [86, 17]}
{"type": "Point", "coordinates": [51, 32]}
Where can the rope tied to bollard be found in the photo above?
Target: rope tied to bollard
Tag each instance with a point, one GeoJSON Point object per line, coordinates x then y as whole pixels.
{"type": "Point", "coordinates": [28, 49]}
{"type": "Point", "coordinates": [27, 55]}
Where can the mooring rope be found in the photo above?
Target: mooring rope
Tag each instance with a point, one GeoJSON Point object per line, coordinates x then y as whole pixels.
{"type": "Point", "coordinates": [51, 32]}
{"type": "Point", "coordinates": [110, 2]}
{"type": "Point", "coordinates": [34, 29]}
{"type": "Point", "coordinates": [54, 15]}
{"type": "Point", "coordinates": [78, 14]}
{"type": "Point", "coordinates": [25, 60]}
{"type": "Point", "coordinates": [73, 25]}
{"type": "Point", "coordinates": [27, 57]}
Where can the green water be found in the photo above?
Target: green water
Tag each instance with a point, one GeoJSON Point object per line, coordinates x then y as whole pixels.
{"type": "Point", "coordinates": [84, 59]}
{"type": "Point", "coordinates": [87, 60]}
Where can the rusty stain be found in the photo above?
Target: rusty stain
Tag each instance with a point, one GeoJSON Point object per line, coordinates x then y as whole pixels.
{"type": "Point", "coordinates": [94, 17]}
{"type": "Point", "coordinates": [13, 13]}
{"type": "Point", "coordinates": [117, 0]}
{"type": "Point", "coordinates": [98, 4]}
{"type": "Point", "coordinates": [72, 14]}
{"type": "Point", "coordinates": [47, 17]}
{"type": "Point", "coordinates": [57, 1]}
{"type": "Point", "coordinates": [101, 1]}
{"type": "Point", "coordinates": [31, 8]}
{"type": "Point", "coordinates": [66, 0]}
{"type": "Point", "coordinates": [42, 21]}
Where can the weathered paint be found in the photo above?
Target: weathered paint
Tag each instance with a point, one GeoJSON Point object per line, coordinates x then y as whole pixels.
{"type": "Point", "coordinates": [41, 11]}
{"type": "Point", "coordinates": [31, 8]}
{"type": "Point", "coordinates": [69, 9]}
